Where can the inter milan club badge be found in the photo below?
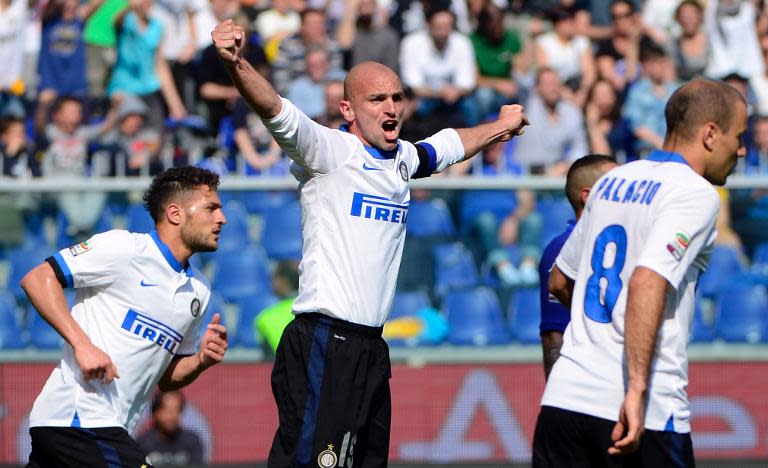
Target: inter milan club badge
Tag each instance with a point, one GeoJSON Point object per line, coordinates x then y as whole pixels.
{"type": "Point", "coordinates": [195, 307]}
{"type": "Point", "coordinates": [403, 171]}
{"type": "Point", "coordinates": [327, 459]}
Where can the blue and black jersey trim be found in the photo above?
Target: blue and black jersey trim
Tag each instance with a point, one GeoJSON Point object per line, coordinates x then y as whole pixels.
{"type": "Point", "coordinates": [61, 270]}
{"type": "Point", "coordinates": [427, 160]}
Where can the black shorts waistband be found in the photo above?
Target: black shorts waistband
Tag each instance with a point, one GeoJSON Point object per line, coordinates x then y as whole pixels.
{"type": "Point", "coordinates": [365, 330]}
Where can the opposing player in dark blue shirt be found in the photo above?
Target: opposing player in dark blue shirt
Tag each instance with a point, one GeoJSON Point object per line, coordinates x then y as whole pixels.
{"type": "Point", "coordinates": [583, 173]}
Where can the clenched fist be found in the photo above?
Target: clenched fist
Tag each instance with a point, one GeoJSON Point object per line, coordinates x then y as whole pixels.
{"type": "Point", "coordinates": [514, 119]}
{"type": "Point", "coordinates": [228, 39]}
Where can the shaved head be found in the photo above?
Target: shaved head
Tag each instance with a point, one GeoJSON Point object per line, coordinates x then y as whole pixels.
{"type": "Point", "coordinates": [698, 102]}
{"type": "Point", "coordinates": [361, 77]}
{"type": "Point", "coordinates": [582, 174]}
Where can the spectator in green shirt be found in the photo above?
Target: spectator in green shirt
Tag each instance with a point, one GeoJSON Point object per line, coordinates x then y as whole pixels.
{"type": "Point", "coordinates": [499, 55]}
{"type": "Point", "coordinates": [271, 321]}
{"type": "Point", "coordinates": [100, 40]}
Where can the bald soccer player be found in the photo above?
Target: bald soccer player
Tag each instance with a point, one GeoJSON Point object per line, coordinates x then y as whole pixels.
{"type": "Point", "coordinates": [332, 370]}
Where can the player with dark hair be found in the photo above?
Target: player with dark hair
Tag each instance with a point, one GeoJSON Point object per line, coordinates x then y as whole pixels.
{"type": "Point", "coordinates": [134, 324]}
{"type": "Point", "coordinates": [332, 369]}
{"type": "Point", "coordinates": [628, 273]}
{"type": "Point", "coordinates": [582, 174]}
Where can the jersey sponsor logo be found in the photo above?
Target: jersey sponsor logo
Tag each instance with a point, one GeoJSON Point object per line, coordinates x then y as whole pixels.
{"type": "Point", "coordinates": [146, 285]}
{"type": "Point", "coordinates": [621, 190]}
{"type": "Point", "coordinates": [152, 330]}
{"type": "Point", "coordinates": [327, 458]}
{"type": "Point", "coordinates": [371, 168]}
{"type": "Point", "coordinates": [378, 208]}
{"type": "Point", "coordinates": [679, 245]}
{"type": "Point", "coordinates": [80, 248]}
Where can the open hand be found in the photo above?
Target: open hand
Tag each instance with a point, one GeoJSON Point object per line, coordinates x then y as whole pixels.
{"type": "Point", "coordinates": [228, 40]}
{"type": "Point", "coordinates": [630, 427]}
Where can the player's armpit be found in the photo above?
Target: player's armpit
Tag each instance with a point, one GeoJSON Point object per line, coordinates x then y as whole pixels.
{"type": "Point", "coordinates": [560, 286]}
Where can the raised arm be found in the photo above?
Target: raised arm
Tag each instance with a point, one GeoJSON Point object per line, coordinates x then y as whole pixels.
{"type": "Point", "coordinates": [511, 123]}
{"type": "Point", "coordinates": [260, 95]}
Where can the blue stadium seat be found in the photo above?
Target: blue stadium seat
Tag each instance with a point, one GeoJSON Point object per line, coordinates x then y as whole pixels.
{"type": "Point", "coordinates": [524, 313]}
{"type": "Point", "coordinates": [245, 334]}
{"type": "Point", "coordinates": [138, 219]}
{"type": "Point", "coordinates": [34, 230]}
{"type": "Point", "coordinates": [454, 268]}
{"type": "Point", "coordinates": [236, 233]}
{"type": "Point", "coordinates": [11, 334]}
{"type": "Point", "coordinates": [408, 303]}
{"type": "Point", "coordinates": [63, 239]}
{"type": "Point", "coordinates": [724, 265]}
{"type": "Point", "coordinates": [282, 232]}
{"type": "Point", "coordinates": [42, 335]}
{"type": "Point", "coordinates": [475, 318]}
{"type": "Point", "coordinates": [740, 311]}
{"type": "Point", "coordinates": [498, 202]}
{"type": "Point", "coordinates": [430, 218]}
{"type": "Point", "coordinates": [555, 215]}
{"type": "Point", "coordinates": [21, 262]}
{"type": "Point", "coordinates": [241, 273]}
{"type": "Point", "coordinates": [258, 201]}
{"type": "Point", "coordinates": [701, 331]}
{"type": "Point", "coordinates": [760, 258]}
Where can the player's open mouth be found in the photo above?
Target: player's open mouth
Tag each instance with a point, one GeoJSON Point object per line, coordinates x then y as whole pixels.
{"type": "Point", "coordinates": [390, 129]}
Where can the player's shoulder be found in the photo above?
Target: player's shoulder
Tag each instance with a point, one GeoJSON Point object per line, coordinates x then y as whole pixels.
{"type": "Point", "coordinates": [114, 238]}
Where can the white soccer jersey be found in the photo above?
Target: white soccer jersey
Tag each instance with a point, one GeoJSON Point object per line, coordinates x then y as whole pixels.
{"type": "Point", "coordinates": [659, 214]}
{"type": "Point", "coordinates": [354, 205]}
{"type": "Point", "coordinates": [137, 304]}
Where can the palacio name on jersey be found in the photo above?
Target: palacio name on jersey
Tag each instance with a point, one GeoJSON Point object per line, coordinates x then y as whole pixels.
{"type": "Point", "coordinates": [152, 330]}
{"type": "Point", "coordinates": [378, 208]}
{"type": "Point", "coordinates": [621, 190]}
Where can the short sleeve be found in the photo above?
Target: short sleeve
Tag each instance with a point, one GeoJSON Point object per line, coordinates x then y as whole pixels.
{"type": "Point", "coordinates": [554, 317]}
{"type": "Point", "coordinates": [98, 261]}
{"type": "Point", "coordinates": [684, 228]}
{"type": "Point", "coordinates": [437, 152]}
{"type": "Point", "coordinates": [312, 146]}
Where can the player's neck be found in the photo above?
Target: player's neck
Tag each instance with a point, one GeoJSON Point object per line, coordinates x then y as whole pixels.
{"type": "Point", "coordinates": [691, 155]}
{"type": "Point", "coordinates": [172, 239]}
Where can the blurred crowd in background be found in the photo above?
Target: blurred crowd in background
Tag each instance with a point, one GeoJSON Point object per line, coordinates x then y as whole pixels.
{"type": "Point", "coordinates": [130, 87]}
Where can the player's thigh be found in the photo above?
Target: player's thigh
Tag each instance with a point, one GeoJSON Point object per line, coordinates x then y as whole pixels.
{"type": "Point", "coordinates": [660, 449]}
{"type": "Point", "coordinates": [78, 447]}
{"type": "Point", "coordinates": [565, 438]}
{"type": "Point", "coordinates": [372, 447]}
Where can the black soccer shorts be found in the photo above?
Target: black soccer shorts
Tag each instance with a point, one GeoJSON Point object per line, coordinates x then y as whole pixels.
{"type": "Point", "coordinates": [566, 439]}
{"type": "Point", "coordinates": [103, 447]}
{"type": "Point", "coordinates": [331, 385]}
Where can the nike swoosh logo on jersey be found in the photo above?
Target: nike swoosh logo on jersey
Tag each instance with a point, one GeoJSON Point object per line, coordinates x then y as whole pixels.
{"type": "Point", "coordinates": [371, 168]}
{"type": "Point", "coordinates": [147, 284]}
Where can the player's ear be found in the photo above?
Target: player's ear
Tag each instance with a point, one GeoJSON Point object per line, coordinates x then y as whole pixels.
{"type": "Point", "coordinates": [346, 111]}
{"type": "Point", "coordinates": [709, 137]}
{"type": "Point", "coordinates": [584, 194]}
{"type": "Point", "coordinates": [173, 214]}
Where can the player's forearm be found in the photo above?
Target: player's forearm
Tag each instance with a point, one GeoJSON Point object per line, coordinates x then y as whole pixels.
{"type": "Point", "coordinates": [180, 373]}
{"type": "Point", "coordinates": [478, 138]}
{"type": "Point", "coordinates": [551, 342]}
{"type": "Point", "coordinates": [256, 91]}
{"type": "Point", "coordinates": [47, 297]}
{"type": "Point", "coordinates": [645, 307]}
{"type": "Point", "coordinates": [560, 286]}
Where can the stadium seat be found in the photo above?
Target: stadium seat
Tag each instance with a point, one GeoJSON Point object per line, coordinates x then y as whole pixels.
{"type": "Point", "coordinates": [64, 239]}
{"type": "Point", "coordinates": [760, 259]}
{"type": "Point", "coordinates": [454, 268]}
{"type": "Point", "coordinates": [236, 233]}
{"type": "Point", "coordinates": [258, 201]}
{"type": "Point", "coordinates": [245, 334]}
{"type": "Point", "coordinates": [498, 202]}
{"type": "Point", "coordinates": [740, 311]}
{"type": "Point", "coordinates": [241, 273]}
{"type": "Point", "coordinates": [430, 218]}
{"type": "Point", "coordinates": [282, 232]}
{"type": "Point", "coordinates": [524, 314]}
{"type": "Point", "coordinates": [138, 219]}
{"type": "Point", "coordinates": [701, 331]}
{"type": "Point", "coordinates": [34, 230]}
{"type": "Point", "coordinates": [11, 334]}
{"type": "Point", "coordinates": [42, 335]}
{"type": "Point", "coordinates": [555, 213]}
{"type": "Point", "coordinates": [475, 318]}
{"type": "Point", "coordinates": [724, 265]}
{"type": "Point", "coordinates": [408, 303]}
{"type": "Point", "coordinates": [21, 261]}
